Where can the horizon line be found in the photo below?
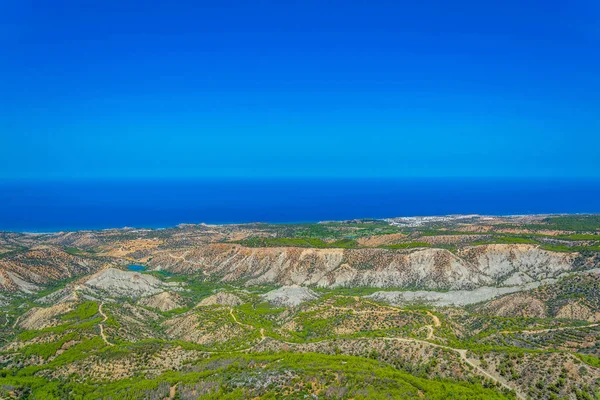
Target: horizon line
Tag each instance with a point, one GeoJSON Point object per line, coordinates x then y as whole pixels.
{"type": "Point", "coordinates": [51, 232]}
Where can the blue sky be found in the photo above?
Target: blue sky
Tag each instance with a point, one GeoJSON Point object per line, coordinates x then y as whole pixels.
{"type": "Point", "coordinates": [170, 89]}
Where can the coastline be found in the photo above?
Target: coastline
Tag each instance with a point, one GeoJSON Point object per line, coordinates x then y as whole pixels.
{"type": "Point", "coordinates": [387, 219]}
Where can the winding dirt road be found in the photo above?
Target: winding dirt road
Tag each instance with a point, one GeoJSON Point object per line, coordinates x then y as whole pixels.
{"type": "Point", "coordinates": [102, 327]}
{"type": "Point", "coordinates": [436, 323]}
{"type": "Point", "coordinates": [562, 328]}
{"type": "Point", "coordinates": [262, 331]}
{"type": "Point", "coordinates": [173, 391]}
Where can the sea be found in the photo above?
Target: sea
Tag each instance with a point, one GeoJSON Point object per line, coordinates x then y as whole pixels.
{"type": "Point", "coordinates": [32, 206]}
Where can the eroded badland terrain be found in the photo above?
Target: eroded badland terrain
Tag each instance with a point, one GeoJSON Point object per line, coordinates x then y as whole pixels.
{"type": "Point", "coordinates": [461, 307]}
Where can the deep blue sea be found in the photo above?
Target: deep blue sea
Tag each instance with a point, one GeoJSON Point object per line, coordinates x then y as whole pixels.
{"type": "Point", "coordinates": [45, 206]}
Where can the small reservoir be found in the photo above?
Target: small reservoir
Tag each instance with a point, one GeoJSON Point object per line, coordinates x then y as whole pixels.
{"type": "Point", "coordinates": [136, 268]}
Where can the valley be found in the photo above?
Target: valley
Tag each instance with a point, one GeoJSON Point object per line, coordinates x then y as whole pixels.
{"type": "Point", "coordinates": [465, 307]}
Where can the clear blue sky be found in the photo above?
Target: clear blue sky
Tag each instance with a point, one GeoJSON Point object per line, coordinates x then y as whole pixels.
{"type": "Point", "coordinates": [171, 89]}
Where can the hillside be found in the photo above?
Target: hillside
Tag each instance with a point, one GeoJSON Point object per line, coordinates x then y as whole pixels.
{"type": "Point", "coordinates": [472, 308]}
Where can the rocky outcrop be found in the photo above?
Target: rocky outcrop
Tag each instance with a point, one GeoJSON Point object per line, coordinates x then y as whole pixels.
{"type": "Point", "coordinates": [165, 301]}
{"type": "Point", "coordinates": [39, 318]}
{"type": "Point", "coordinates": [516, 305]}
{"type": "Point", "coordinates": [66, 294]}
{"type": "Point", "coordinates": [575, 297]}
{"type": "Point", "coordinates": [222, 299]}
{"type": "Point", "coordinates": [290, 296]}
{"type": "Point", "coordinates": [29, 270]}
{"type": "Point", "coordinates": [579, 310]}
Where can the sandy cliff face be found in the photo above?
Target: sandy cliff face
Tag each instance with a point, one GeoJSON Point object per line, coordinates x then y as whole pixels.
{"type": "Point", "coordinates": [423, 268]}
{"type": "Point", "coordinates": [514, 264]}
{"type": "Point", "coordinates": [426, 268]}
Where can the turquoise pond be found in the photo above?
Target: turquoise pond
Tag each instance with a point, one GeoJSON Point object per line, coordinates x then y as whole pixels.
{"type": "Point", "coordinates": [137, 268]}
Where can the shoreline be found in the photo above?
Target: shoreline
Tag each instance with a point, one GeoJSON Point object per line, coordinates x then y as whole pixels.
{"type": "Point", "coordinates": [386, 219]}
